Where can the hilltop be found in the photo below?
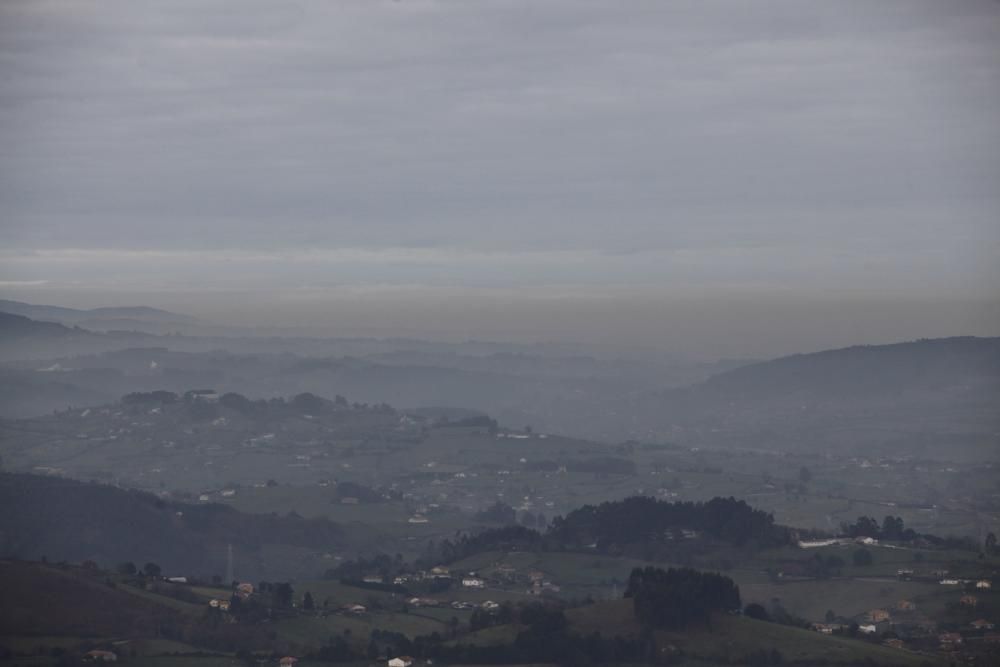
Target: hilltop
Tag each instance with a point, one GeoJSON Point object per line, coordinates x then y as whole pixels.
{"type": "Point", "coordinates": [905, 399]}
{"type": "Point", "coordinates": [106, 318]}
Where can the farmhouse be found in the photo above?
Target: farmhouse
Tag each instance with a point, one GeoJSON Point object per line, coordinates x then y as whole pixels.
{"type": "Point", "coordinates": [100, 656]}
{"type": "Point", "coordinates": [826, 628]}
{"type": "Point", "coordinates": [984, 584]}
{"type": "Point", "coordinates": [878, 615]}
{"type": "Point", "coordinates": [221, 605]}
{"type": "Point", "coordinates": [401, 661]}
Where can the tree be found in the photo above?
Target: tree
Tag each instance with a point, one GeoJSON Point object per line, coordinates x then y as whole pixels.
{"type": "Point", "coordinates": [678, 598]}
{"type": "Point", "coordinates": [307, 602]}
{"type": "Point", "coordinates": [991, 543]}
{"type": "Point", "coordinates": [127, 568]}
{"type": "Point", "coordinates": [151, 570]}
{"type": "Point", "coordinates": [281, 595]}
{"type": "Point", "coordinates": [754, 610]}
{"type": "Point", "coordinates": [862, 557]}
{"type": "Point", "coordinates": [237, 402]}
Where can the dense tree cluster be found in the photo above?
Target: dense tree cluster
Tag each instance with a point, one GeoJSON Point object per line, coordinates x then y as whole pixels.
{"type": "Point", "coordinates": [498, 512]}
{"type": "Point", "coordinates": [641, 518]}
{"type": "Point", "coordinates": [149, 397]}
{"type": "Point", "coordinates": [507, 538]}
{"type": "Point", "coordinates": [679, 598]}
{"type": "Point", "coordinates": [544, 637]}
{"type": "Point", "coordinates": [892, 528]}
{"type": "Point", "coordinates": [478, 421]}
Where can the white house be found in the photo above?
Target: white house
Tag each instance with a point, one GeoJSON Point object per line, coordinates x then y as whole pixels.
{"type": "Point", "coordinates": [984, 584]}
{"type": "Point", "coordinates": [867, 629]}
{"type": "Point", "coordinates": [401, 661]}
{"type": "Point", "coordinates": [473, 582]}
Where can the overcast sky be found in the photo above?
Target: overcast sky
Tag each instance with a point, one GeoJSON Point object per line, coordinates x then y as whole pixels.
{"type": "Point", "coordinates": [722, 178]}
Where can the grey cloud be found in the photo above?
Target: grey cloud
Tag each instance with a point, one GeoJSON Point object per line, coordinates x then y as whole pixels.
{"type": "Point", "coordinates": [813, 144]}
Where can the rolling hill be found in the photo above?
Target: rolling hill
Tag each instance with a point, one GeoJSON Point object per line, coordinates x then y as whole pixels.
{"type": "Point", "coordinates": [906, 399]}
{"type": "Point", "coordinates": [67, 520]}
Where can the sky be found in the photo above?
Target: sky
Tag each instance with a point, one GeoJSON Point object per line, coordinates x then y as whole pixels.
{"type": "Point", "coordinates": [712, 178]}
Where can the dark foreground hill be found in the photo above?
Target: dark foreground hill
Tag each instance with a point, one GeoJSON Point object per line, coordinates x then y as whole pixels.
{"type": "Point", "coordinates": [727, 640]}
{"type": "Point", "coordinates": [63, 519]}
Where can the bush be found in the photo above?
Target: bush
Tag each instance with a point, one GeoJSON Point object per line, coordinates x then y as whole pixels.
{"type": "Point", "coordinates": [862, 557]}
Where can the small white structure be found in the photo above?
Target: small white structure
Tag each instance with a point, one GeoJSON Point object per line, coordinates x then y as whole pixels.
{"type": "Point", "coordinates": [984, 584]}
{"type": "Point", "coordinates": [815, 544]}
{"type": "Point", "coordinates": [473, 582]}
{"type": "Point", "coordinates": [401, 661]}
{"type": "Point", "coordinates": [867, 629]}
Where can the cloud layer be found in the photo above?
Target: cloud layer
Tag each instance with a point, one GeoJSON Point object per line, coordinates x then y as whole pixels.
{"type": "Point", "coordinates": [805, 146]}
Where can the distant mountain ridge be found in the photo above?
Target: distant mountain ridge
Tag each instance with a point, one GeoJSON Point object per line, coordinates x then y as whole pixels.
{"type": "Point", "coordinates": [914, 398]}
{"type": "Point", "coordinates": [866, 368]}
{"type": "Point", "coordinates": [65, 315]}
{"type": "Point", "coordinates": [15, 327]}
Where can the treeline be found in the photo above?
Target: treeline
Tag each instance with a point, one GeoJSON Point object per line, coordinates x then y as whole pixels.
{"type": "Point", "coordinates": [604, 465]}
{"type": "Point", "coordinates": [507, 538]}
{"type": "Point", "coordinates": [644, 519]}
{"type": "Point", "coordinates": [893, 529]}
{"type": "Point", "coordinates": [636, 521]}
{"type": "Point", "coordinates": [301, 404]}
{"type": "Point", "coordinates": [544, 637]}
{"type": "Point", "coordinates": [675, 599]}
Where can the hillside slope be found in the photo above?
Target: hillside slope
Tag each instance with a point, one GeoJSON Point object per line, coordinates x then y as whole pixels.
{"type": "Point", "coordinates": [73, 521]}
{"type": "Point", "coordinates": [906, 399]}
